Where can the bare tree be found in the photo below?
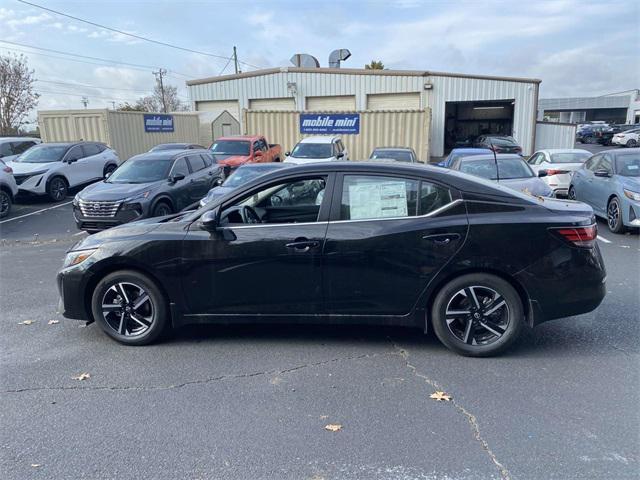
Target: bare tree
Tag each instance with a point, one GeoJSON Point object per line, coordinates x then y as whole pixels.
{"type": "Point", "coordinates": [17, 97]}
{"type": "Point", "coordinates": [155, 103]}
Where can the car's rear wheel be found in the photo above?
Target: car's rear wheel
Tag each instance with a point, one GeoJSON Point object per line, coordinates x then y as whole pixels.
{"type": "Point", "coordinates": [5, 204]}
{"type": "Point", "coordinates": [614, 216]}
{"type": "Point", "coordinates": [631, 143]}
{"type": "Point", "coordinates": [477, 315]}
{"type": "Point", "coordinates": [130, 308]}
{"type": "Point", "coordinates": [57, 189]}
{"type": "Point", "coordinates": [161, 209]}
{"type": "Point", "coordinates": [572, 193]}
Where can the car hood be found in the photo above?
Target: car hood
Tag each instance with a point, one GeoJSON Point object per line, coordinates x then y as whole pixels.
{"type": "Point", "coordinates": [231, 160]}
{"type": "Point", "coordinates": [532, 185]}
{"type": "Point", "coordinates": [572, 167]}
{"type": "Point", "coordinates": [631, 183]}
{"type": "Point", "coordinates": [119, 233]}
{"type": "Point", "coordinates": [103, 191]}
{"type": "Point", "coordinates": [20, 168]}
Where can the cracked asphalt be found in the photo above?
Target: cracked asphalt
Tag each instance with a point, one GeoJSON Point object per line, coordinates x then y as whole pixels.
{"type": "Point", "coordinates": [252, 401]}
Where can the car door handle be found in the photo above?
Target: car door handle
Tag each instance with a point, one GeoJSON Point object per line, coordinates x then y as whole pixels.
{"type": "Point", "coordinates": [302, 245]}
{"type": "Point", "coordinates": [442, 238]}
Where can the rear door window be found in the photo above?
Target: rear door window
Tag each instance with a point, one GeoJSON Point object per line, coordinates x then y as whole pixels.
{"type": "Point", "coordinates": [180, 166]}
{"type": "Point", "coordinates": [196, 162]}
{"type": "Point", "coordinates": [90, 149]}
{"type": "Point", "coordinates": [375, 197]}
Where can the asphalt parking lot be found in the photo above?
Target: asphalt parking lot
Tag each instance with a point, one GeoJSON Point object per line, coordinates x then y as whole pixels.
{"type": "Point", "coordinates": [253, 401]}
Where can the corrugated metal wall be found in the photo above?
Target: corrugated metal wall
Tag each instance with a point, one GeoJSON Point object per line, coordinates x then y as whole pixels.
{"type": "Point", "coordinates": [128, 137]}
{"type": "Point", "coordinates": [555, 135]}
{"type": "Point", "coordinates": [408, 128]}
{"type": "Point", "coordinates": [73, 125]}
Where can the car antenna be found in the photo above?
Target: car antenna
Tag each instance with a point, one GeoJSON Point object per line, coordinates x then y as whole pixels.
{"type": "Point", "coordinates": [495, 159]}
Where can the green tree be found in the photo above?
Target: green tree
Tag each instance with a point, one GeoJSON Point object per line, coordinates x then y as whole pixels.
{"type": "Point", "coordinates": [374, 65]}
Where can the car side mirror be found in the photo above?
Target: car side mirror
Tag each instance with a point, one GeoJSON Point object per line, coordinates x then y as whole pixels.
{"type": "Point", "coordinates": [602, 173]}
{"type": "Point", "coordinates": [210, 220]}
{"type": "Point", "coordinates": [218, 182]}
{"type": "Point", "coordinates": [340, 155]}
{"type": "Point", "coordinates": [543, 173]}
{"type": "Point", "coordinates": [176, 177]}
{"type": "Point", "coordinates": [71, 160]}
{"type": "Point", "coordinates": [287, 154]}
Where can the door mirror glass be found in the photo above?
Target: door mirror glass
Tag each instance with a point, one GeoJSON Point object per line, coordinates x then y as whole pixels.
{"type": "Point", "coordinates": [340, 155]}
{"type": "Point", "coordinates": [176, 177]}
{"type": "Point", "coordinates": [210, 220]}
{"type": "Point", "coordinates": [543, 173]}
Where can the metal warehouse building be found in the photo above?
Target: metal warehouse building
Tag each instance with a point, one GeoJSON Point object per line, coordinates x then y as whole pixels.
{"type": "Point", "coordinates": [460, 106]}
{"type": "Point", "coordinates": [608, 108]}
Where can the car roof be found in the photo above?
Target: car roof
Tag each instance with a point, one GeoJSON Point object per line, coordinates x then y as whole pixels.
{"type": "Point", "coordinates": [319, 139]}
{"type": "Point", "coordinates": [394, 148]}
{"type": "Point", "coordinates": [563, 150]}
{"type": "Point", "coordinates": [265, 166]}
{"type": "Point", "coordinates": [247, 138]}
{"type": "Point", "coordinates": [623, 151]}
{"type": "Point", "coordinates": [17, 139]}
{"type": "Point", "coordinates": [170, 154]}
{"type": "Point", "coordinates": [470, 150]}
{"type": "Point", "coordinates": [501, 156]}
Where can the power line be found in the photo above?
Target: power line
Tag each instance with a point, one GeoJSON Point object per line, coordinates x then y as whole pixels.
{"type": "Point", "coordinates": [225, 66]}
{"type": "Point", "coordinates": [139, 37]}
{"type": "Point", "coordinates": [135, 65]}
{"type": "Point", "coordinates": [99, 87]}
{"type": "Point", "coordinates": [91, 96]}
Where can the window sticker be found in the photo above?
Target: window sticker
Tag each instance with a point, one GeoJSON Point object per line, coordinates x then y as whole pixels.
{"type": "Point", "coordinates": [378, 200]}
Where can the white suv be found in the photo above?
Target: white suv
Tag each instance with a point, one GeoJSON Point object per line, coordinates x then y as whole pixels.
{"type": "Point", "coordinates": [317, 149]}
{"type": "Point", "coordinates": [8, 189]}
{"type": "Point", "coordinates": [11, 147]}
{"type": "Point", "coordinates": [53, 168]}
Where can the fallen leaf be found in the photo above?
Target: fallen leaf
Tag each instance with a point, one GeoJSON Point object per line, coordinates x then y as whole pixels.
{"type": "Point", "coordinates": [82, 376]}
{"type": "Point", "coordinates": [324, 417]}
{"type": "Point", "coordinates": [35, 465]}
{"type": "Point", "coordinates": [26, 322]}
{"type": "Point", "coordinates": [440, 396]}
{"type": "Point", "coordinates": [54, 322]}
{"type": "Point", "coordinates": [333, 427]}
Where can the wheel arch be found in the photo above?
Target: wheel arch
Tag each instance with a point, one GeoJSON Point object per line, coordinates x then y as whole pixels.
{"type": "Point", "coordinates": [56, 175]}
{"type": "Point", "coordinates": [7, 190]}
{"type": "Point", "coordinates": [163, 197]}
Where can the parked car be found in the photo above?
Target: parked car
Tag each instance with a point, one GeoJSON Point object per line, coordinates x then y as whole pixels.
{"type": "Point", "coordinates": [559, 165]}
{"type": "Point", "coordinates": [590, 133]}
{"type": "Point", "coordinates": [231, 152]}
{"type": "Point", "coordinates": [399, 154]}
{"type": "Point", "coordinates": [459, 153]}
{"type": "Point", "coordinates": [317, 149]}
{"type": "Point", "coordinates": [507, 169]}
{"type": "Point", "coordinates": [610, 182]}
{"type": "Point", "coordinates": [630, 138]}
{"type": "Point", "coordinates": [242, 175]}
{"type": "Point", "coordinates": [177, 146]}
{"type": "Point", "coordinates": [498, 143]}
{"type": "Point", "coordinates": [8, 189]}
{"type": "Point", "coordinates": [12, 147]}
{"type": "Point", "coordinates": [606, 136]}
{"type": "Point", "coordinates": [54, 168]}
{"type": "Point", "coordinates": [392, 243]}
{"type": "Point", "coordinates": [152, 184]}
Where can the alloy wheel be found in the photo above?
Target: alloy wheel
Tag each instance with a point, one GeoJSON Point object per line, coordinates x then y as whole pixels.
{"type": "Point", "coordinates": [572, 193]}
{"type": "Point", "coordinates": [613, 214]}
{"type": "Point", "coordinates": [128, 309]}
{"type": "Point", "coordinates": [5, 204]}
{"type": "Point", "coordinates": [477, 315]}
{"type": "Point", "coordinates": [58, 189]}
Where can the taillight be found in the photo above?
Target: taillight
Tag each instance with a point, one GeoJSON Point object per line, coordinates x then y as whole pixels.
{"type": "Point", "coordinates": [7, 169]}
{"type": "Point", "coordinates": [579, 236]}
{"type": "Point", "coordinates": [556, 172]}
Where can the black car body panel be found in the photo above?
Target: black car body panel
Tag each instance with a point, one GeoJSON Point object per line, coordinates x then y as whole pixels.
{"type": "Point", "coordinates": [383, 271]}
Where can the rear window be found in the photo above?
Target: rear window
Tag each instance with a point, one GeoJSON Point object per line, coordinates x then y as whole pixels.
{"type": "Point", "coordinates": [486, 168]}
{"type": "Point", "coordinates": [569, 157]}
{"type": "Point", "coordinates": [628, 164]}
{"type": "Point", "coordinates": [506, 141]}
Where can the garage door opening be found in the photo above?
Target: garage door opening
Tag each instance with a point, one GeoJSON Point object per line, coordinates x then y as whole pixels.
{"type": "Point", "coordinates": [464, 121]}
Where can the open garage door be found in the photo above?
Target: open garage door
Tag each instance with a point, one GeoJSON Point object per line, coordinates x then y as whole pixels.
{"type": "Point", "coordinates": [464, 121]}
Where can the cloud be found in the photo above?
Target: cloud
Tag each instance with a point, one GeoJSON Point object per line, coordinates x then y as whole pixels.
{"type": "Point", "coordinates": [113, 37]}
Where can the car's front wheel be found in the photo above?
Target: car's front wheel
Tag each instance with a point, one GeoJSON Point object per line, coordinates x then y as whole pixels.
{"type": "Point", "coordinates": [572, 193]}
{"type": "Point", "coordinates": [5, 204]}
{"type": "Point", "coordinates": [631, 143]}
{"type": "Point", "coordinates": [477, 315]}
{"type": "Point", "coordinates": [57, 189]}
{"type": "Point", "coordinates": [161, 209]}
{"type": "Point", "coordinates": [130, 308]}
{"type": "Point", "coordinates": [614, 216]}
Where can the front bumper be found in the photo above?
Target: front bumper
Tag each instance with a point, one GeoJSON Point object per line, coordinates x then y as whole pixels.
{"type": "Point", "coordinates": [97, 223]}
{"type": "Point", "coordinates": [35, 184]}
{"type": "Point", "coordinates": [72, 283]}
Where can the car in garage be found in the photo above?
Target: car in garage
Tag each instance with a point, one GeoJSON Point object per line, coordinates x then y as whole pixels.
{"type": "Point", "coordinates": [177, 146]}
{"type": "Point", "coordinates": [398, 154]}
{"type": "Point", "coordinates": [389, 243]}
{"type": "Point", "coordinates": [12, 147]}
{"type": "Point", "coordinates": [318, 149]}
{"type": "Point", "coordinates": [153, 184]}
{"type": "Point", "coordinates": [629, 138]}
{"type": "Point", "coordinates": [498, 143]}
{"type": "Point", "coordinates": [559, 165]}
{"type": "Point", "coordinates": [610, 183]}
{"type": "Point", "coordinates": [53, 168]}
{"type": "Point", "coordinates": [8, 189]}
{"type": "Point", "coordinates": [242, 175]}
{"type": "Point", "coordinates": [507, 169]}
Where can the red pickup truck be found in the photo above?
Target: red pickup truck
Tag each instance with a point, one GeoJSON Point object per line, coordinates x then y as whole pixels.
{"type": "Point", "coordinates": [235, 151]}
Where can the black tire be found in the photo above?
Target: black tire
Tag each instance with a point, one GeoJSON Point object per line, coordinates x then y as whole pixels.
{"type": "Point", "coordinates": [161, 209]}
{"type": "Point", "coordinates": [5, 203]}
{"type": "Point", "coordinates": [571, 194]}
{"type": "Point", "coordinates": [142, 325]}
{"type": "Point", "coordinates": [109, 169]}
{"type": "Point", "coordinates": [477, 332]}
{"type": "Point", "coordinates": [631, 143]}
{"type": "Point", "coordinates": [57, 189]}
{"type": "Point", "coordinates": [614, 216]}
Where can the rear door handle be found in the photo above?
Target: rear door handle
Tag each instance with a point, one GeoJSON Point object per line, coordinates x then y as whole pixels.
{"type": "Point", "coordinates": [302, 245]}
{"type": "Point", "coordinates": [442, 238]}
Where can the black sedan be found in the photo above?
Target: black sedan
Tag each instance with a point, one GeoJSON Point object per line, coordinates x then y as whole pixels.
{"type": "Point", "coordinates": [392, 244]}
{"type": "Point", "coordinates": [153, 184]}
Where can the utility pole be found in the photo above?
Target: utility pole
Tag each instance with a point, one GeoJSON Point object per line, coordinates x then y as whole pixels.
{"type": "Point", "coordinates": [85, 101]}
{"type": "Point", "coordinates": [113, 104]}
{"type": "Point", "coordinates": [159, 75]}
{"type": "Point", "coordinates": [235, 58]}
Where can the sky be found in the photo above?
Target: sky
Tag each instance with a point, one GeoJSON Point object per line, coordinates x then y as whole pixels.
{"type": "Point", "coordinates": [576, 47]}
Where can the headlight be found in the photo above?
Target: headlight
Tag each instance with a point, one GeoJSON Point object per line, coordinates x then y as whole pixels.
{"type": "Point", "coordinates": [631, 194]}
{"type": "Point", "coordinates": [76, 199]}
{"type": "Point", "coordinates": [77, 257]}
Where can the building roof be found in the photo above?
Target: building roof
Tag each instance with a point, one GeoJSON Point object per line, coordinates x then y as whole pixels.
{"type": "Point", "coordinates": [353, 71]}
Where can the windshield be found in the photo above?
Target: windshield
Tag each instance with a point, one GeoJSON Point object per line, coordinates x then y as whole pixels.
{"type": "Point", "coordinates": [628, 164]}
{"type": "Point", "coordinates": [142, 170]}
{"type": "Point", "coordinates": [230, 147]}
{"type": "Point", "coordinates": [312, 150]}
{"type": "Point", "coordinates": [577, 157]}
{"type": "Point", "coordinates": [43, 154]}
{"type": "Point", "coordinates": [399, 155]}
{"type": "Point", "coordinates": [486, 168]}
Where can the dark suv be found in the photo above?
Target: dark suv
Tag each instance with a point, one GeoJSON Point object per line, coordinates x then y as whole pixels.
{"type": "Point", "coordinates": [590, 133]}
{"type": "Point", "coordinates": [498, 143]}
{"type": "Point", "coordinates": [152, 184]}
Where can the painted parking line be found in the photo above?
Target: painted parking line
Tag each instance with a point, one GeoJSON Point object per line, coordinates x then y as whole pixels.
{"type": "Point", "coordinates": [36, 212]}
{"type": "Point", "coordinates": [602, 239]}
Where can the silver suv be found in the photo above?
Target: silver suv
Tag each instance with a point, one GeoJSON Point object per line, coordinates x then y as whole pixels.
{"type": "Point", "coordinates": [8, 189]}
